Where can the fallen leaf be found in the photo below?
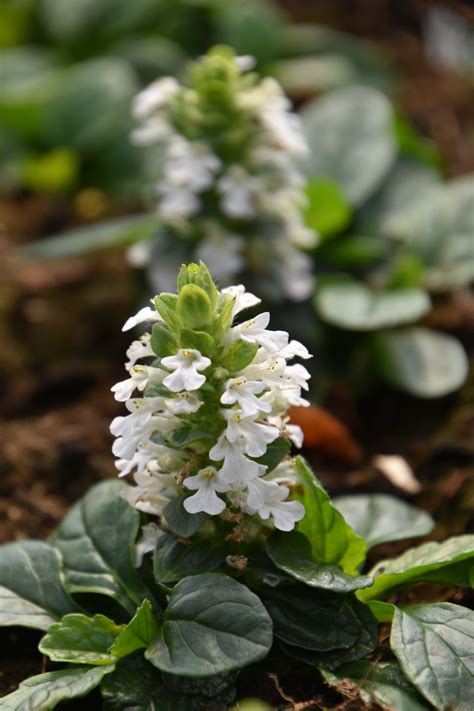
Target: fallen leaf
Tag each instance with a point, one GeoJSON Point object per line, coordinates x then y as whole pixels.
{"type": "Point", "coordinates": [324, 432]}
{"type": "Point", "coordinates": [397, 470]}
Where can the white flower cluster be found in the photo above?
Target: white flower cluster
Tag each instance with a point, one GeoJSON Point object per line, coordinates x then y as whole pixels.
{"type": "Point", "coordinates": [209, 191]}
{"type": "Point", "coordinates": [246, 409]}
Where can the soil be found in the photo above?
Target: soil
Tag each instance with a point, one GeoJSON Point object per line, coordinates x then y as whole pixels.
{"type": "Point", "coordinates": [62, 349]}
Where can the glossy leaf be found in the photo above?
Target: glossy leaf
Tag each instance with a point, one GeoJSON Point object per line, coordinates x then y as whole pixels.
{"type": "Point", "coordinates": [425, 363]}
{"type": "Point", "coordinates": [179, 521]}
{"type": "Point", "coordinates": [46, 691]}
{"type": "Point", "coordinates": [291, 552]}
{"type": "Point", "coordinates": [32, 592]}
{"type": "Point", "coordinates": [174, 560]}
{"type": "Point", "coordinates": [97, 541]}
{"type": "Point", "coordinates": [79, 639]}
{"type": "Point", "coordinates": [433, 561]}
{"type": "Point", "coordinates": [351, 139]}
{"type": "Point", "coordinates": [332, 540]}
{"type": "Point", "coordinates": [353, 306]}
{"type": "Point", "coordinates": [104, 235]}
{"type": "Point", "coordinates": [435, 647]}
{"type": "Point", "coordinates": [382, 683]}
{"type": "Point", "coordinates": [140, 632]}
{"type": "Point", "coordinates": [380, 518]}
{"type": "Point", "coordinates": [212, 624]}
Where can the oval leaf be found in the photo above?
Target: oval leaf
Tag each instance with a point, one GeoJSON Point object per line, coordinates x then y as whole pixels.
{"type": "Point", "coordinates": [174, 560]}
{"type": "Point", "coordinates": [45, 691]}
{"type": "Point", "coordinates": [351, 139]}
{"type": "Point", "coordinates": [291, 552]}
{"type": "Point", "coordinates": [212, 624]}
{"type": "Point", "coordinates": [97, 541]}
{"type": "Point", "coordinates": [422, 362]}
{"type": "Point", "coordinates": [32, 592]}
{"type": "Point", "coordinates": [332, 540]}
{"type": "Point", "coordinates": [380, 518]}
{"type": "Point", "coordinates": [355, 307]}
{"type": "Point", "coordinates": [434, 645]}
{"type": "Point", "coordinates": [79, 639]}
{"type": "Point", "coordinates": [433, 561]}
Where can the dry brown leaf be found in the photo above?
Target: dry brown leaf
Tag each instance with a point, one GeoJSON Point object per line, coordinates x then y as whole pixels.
{"type": "Point", "coordinates": [324, 432]}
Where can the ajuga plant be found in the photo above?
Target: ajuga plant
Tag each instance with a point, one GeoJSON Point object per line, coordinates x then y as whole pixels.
{"type": "Point", "coordinates": [225, 559]}
{"type": "Point", "coordinates": [221, 149]}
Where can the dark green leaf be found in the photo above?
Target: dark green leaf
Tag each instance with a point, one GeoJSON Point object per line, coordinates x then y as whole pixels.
{"type": "Point", "coordinates": [332, 540]}
{"type": "Point", "coordinates": [140, 632]}
{"type": "Point", "coordinates": [163, 341]}
{"type": "Point", "coordinates": [382, 683]}
{"type": "Point", "coordinates": [212, 624]}
{"type": "Point", "coordinates": [380, 518]}
{"type": "Point", "coordinates": [435, 647]}
{"type": "Point", "coordinates": [179, 521]}
{"type": "Point", "coordinates": [186, 435]}
{"type": "Point", "coordinates": [422, 362]}
{"type": "Point", "coordinates": [434, 560]}
{"type": "Point", "coordinates": [174, 560]}
{"type": "Point", "coordinates": [200, 340]}
{"type": "Point", "coordinates": [32, 592]}
{"type": "Point", "coordinates": [97, 541]}
{"type": "Point", "coordinates": [276, 451]}
{"type": "Point", "coordinates": [104, 235]}
{"type": "Point", "coordinates": [353, 306]}
{"type": "Point", "coordinates": [79, 639]}
{"type": "Point", "coordinates": [46, 691]}
{"type": "Point", "coordinates": [291, 552]}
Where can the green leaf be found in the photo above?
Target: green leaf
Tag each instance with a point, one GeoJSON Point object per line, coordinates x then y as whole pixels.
{"type": "Point", "coordinates": [199, 275]}
{"type": "Point", "coordinates": [439, 228]}
{"type": "Point", "coordinates": [79, 639]}
{"type": "Point", "coordinates": [240, 355]}
{"type": "Point", "coordinates": [179, 521]}
{"type": "Point", "coordinates": [383, 611]}
{"type": "Point", "coordinates": [431, 560]}
{"type": "Point", "coordinates": [353, 306]}
{"type": "Point", "coordinates": [420, 361]}
{"type": "Point", "coordinates": [32, 592]}
{"type": "Point", "coordinates": [166, 305]}
{"type": "Point", "coordinates": [194, 306]}
{"type": "Point", "coordinates": [382, 683]}
{"type": "Point", "coordinates": [350, 135]}
{"type": "Point", "coordinates": [434, 645]}
{"type": "Point", "coordinates": [104, 235]}
{"type": "Point", "coordinates": [327, 211]}
{"type": "Point", "coordinates": [97, 541]}
{"type": "Point", "coordinates": [212, 624]}
{"type": "Point", "coordinates": [320, 621]}
{"type": "Point", "coordinates": [352, 251]}
{"type": "Point", "coordinates": [276, 452]}
{"type": "Point", "coordinates": [187, 435]}
{"type": "Point", "coordinates": [291, 552]}
{"type": "Point", "coordinates": [45, 691]}
{"type": "Point", "coordinates": [332, 540]}
{"type": "Point", "coordinates": [140, 632]}
{"type": "Point", "coordinates": [380, 518]}
{"type": "Point", "coordinates": [163, 341]}
{"type": "Point", "coordinates": [200, 340]}
{"type": "Point", "coordinates": [174, 560]}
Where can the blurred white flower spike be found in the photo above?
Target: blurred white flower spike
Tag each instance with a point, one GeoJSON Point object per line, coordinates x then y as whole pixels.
{"type": "Point", "coordinates": [222, 163]}
{"type": "Point", "coordinates": [212, 400]}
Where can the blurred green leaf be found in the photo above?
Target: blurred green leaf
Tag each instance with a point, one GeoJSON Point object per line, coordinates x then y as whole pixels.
{"type": "Point", "coordinates": [52, 172]}
{"type": "Point", "coordinates": [303, 76]}
{"type": "Point", "coordinates": [350, 135]}
{"type": "Point", "coordinates": [328, 211]}
{"type": "Point", "coordinates": [353, 306]}
{"type": "Point", "coordinates": [104, 235]}
{"type": "Point", "coordinates": [422, 362]}
{"type": "Point", "coordinates": [352, 251]}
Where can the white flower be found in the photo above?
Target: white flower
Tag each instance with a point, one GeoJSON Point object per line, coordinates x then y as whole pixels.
{"type": "Point", "coordinates": [140, 349]}
{"type": "Point", "coordinates": [145, 314]}
{"type": "Point", "coordinates": [245, 62]}
{"type": "Point", "coordinates": [238, 190]}
{"type": "Point", "coordinates": [153, 492]}
{"type": "Point", "coordinates": [184, 403]}
{"type": "Point", "coordinates": [254, 331]}
{"type": "Point", "coordinates": [177, 202]}
{"type": "Point", "coordinates": [206, 483]}
{"type": "Point", "coordinates": [222, 253]}
{"type": "Point", "coordinates": [154, 96]}
{"type": "Point", "coordinates": [242, 391]}
{"type": "Point", "coordinates": [190, 164]}
{"type": "Point", "coordinates": [243, 299]}
{"type": "Point", "coordinates": [267, 498]}
{"type": "Point", "coordinates": [277, 118]}
{"type": "Point", "coordinates": [185, 365]}
{"type": "Point", "coordinates": [295, 349]}
{"type": "Point", "coordinates": [140, 376]}
{"type": "Point", "coordinates": [147, 543]}
{"type": "Point", "coordinates": [293, 432]}
{"type": "Point", "coordinates": [252, 436]}
{"type": "Point", "coordinates": [236, 466]}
